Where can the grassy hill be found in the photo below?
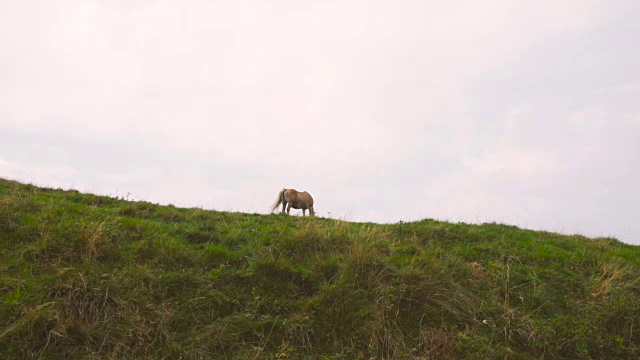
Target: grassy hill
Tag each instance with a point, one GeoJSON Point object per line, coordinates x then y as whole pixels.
{"type": "Point", "coordinates": [85, 276]}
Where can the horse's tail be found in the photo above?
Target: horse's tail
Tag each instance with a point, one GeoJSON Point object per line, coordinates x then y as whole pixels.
{"type": "Point", "coordinates": [279, 201]}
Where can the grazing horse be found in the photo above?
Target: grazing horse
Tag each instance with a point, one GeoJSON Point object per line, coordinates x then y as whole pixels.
{"type": "Point", "coordinates": [291, 198]}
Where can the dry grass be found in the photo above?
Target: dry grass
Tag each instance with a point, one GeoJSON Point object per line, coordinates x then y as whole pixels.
{"type": "Point", "coordinates": [93, 239]}
{"type": "Point", "coordinates": [613, 277]}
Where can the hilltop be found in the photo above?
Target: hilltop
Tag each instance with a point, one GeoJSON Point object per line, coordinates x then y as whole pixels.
{"type": "Point", "coordinates": [85, 276]}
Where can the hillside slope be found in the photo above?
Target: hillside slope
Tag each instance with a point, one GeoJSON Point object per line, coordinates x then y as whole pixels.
{"type": "Point", "coordinates": [85, 276]}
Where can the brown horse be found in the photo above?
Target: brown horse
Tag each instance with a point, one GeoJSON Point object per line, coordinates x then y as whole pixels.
{"type": "Point", "coordinates": [291, 198]}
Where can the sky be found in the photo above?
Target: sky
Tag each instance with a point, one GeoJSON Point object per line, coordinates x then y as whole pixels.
{"type": "Point", "coordinates": [518, 112]}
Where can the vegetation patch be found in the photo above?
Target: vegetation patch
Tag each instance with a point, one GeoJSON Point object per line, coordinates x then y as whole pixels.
{"type": "Point", "coordinates": [85, 276]}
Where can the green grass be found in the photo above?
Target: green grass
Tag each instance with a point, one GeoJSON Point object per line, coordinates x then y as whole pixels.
{"type": "Point", "coordinates": [86, 277]}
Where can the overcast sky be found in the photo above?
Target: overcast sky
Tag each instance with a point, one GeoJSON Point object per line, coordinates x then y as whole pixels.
{"type": "Point", "coordinates": [520, 112]}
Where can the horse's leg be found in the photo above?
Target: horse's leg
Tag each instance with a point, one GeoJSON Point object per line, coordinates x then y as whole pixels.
{"type": "Point", "coordinates": [284, 203]}
{"type": "Point", "coordinates": [304, 212]}
{"type": "Point", "coordinates": [288, 208]}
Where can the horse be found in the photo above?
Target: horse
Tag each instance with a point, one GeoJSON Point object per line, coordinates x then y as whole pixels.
{"type": "Point", "coordinates": [291, 198]}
